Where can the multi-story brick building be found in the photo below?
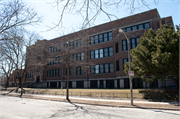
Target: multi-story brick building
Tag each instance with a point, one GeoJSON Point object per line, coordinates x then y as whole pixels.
{"type": "Point", "coordinates": [99, 53]}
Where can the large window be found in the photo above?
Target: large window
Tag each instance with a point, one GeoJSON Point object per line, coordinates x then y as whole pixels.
{"type": "Point", "coordinates": [100, 53]}
{"type": "Point", "coordinates": [136, 27]}
{"type": "Point", "coordinates": [77, 56]}
{"type": "Point", "coordinates": [124, 61]}
{"type": "Point", "coordinates": [54, 61]}
{"type": "Point", "coordinates": [117, 47]}
{"type": "Point", "coordinates": [102, 68]}
{"type": "Point", "coordinates": [117, 65]}
{"type": "Point", "coordinates": [104, 37]}
{"type": "Point", "coordinates": [52, 50]}
{"type": "Point", "coordinates": [70, 71]}
{"type": "Point", "coordinates": [54, 73]}
{"type": "Point", "coordinates": [133, 43]}
{"type": "Point", "coordinates": [29, 75]}
{"type": "Point", "coordinates": [79, 71]}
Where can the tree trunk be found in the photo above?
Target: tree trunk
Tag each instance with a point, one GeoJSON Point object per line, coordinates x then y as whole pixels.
{"type": "Point", "coordinates": [175, 81]}
{"type": "Point", "coordinates": [7, 84]}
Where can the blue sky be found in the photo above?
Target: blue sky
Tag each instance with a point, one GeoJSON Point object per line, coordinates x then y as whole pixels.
{"type": "Point", "coordinates": [71, 22]}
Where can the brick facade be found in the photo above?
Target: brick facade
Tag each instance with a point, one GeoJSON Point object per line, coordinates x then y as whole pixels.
{"type": "Point", "coordinates": [118, 77]}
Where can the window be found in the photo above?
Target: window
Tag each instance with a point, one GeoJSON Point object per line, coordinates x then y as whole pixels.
{"type": "Point", "coordinates": [82, 56]}
{"type": "Point", "coordinates": [70, 71]}
{"type": "Point", "coordinates": [28, 75]}
{"type": "Point", "coordinates": [100, 53]}
{"type": "Point", "coordinates": [92, 69]}
{"type": "Point", "coordinates": [79, 71]}
{"type": "Point", "coordinates": [92, 40]}
{"type": "Point", "coordinates": [110, 36]}
{"type": "Point", "coordinates": [128, 29]}
{"type": "Point", "coordinates": [79, 57]}
{"type": "Point", "coordinates": [147, 25]}
{"type": "Point", "coordinates": [101, 38]}
{"type": "Point", "coordinates": [134, 28]}
{"type": "Point", "coordinates": [58, 60]}
{"type": "Point", "coordinates": [117, 65]}
{"type": "Point", "coordinates": [117, 48]}
{"type": "Point", "coordinates": [137, 43]}
{"type": "Point", "coordinates": [105, 52]}
{"type": "Point", "coordinates": [124, 45]}
{"type": "Point", "coordinates": [54, 73]}
{"type": "Point", "coordinates": [140, 26]}
{"type": "Point", "coordinates": [124, 61]}
{"type": "Point", "coordinates": [52, 50]}
{"type": "Point", "coordinates": [105, 37]}
{"type": "Point", "coordinates": [97, 69]}
{"type": "Point", "coordinates": [111, 67]}
{"type": "Point", "coordinates": [39, 51]}
{"type": "Point", "coordinates": [96, 39]}
{"type": "Point", "coordinates": [133, 44]}
{"type": "Point", "coordinates": [102, 68]}
{"type": "Point", "coordinates": [110, 51]}
{"type": "Point", "coordinates": [96, 54]}
{"type": "Point", "coordinates": [92, 54]}
{"type": "Point", "coordinates": [106, 68]}
{"type": "Point", "coordinates": [38, 58]}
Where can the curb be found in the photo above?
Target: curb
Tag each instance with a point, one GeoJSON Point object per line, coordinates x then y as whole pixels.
{"type": "Point", "coordinates": [95, 103]}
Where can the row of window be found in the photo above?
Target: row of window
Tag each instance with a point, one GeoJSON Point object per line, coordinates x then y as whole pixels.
{"type": "Point", "coordinates": [136, 27]}
{"type": "Point", "coordinates": [100, 53]}
{"type": "Point", "coordinates": [75, 44]}
{"type": "Point", "coordinates": [54, 73]}
{"type": "Point", "coordinates": [124, 62]}
{"type": "Point", "coordinates": [133, 43]}
{"type": "Point", "coordinates": [53, 49]}
{"type": "Point", "coordinates": [70, 71]}
{"type": "Point", "coordinates": [29, 75]}
{"type": "Point", "coordinates": [104, 37]}
{"type": "Point", "coordinates": [77, 57]}
{"type": "Point", "coordinates": [54, 61]}
{"type": "Point", "coordinates": [102, 68]}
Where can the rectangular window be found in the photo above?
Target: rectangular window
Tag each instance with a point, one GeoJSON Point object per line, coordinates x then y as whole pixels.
{"type": "Point", "coordinates": [140, 26]}
{"type": "Point", "coordinates": [78, 56]}
{"type": "Point", "coordinates": [117, 65]}
{"type": "Point", "coordinates": [92, 40]}
{"type": "Point", "coordinates": [82, 56]}
{"type": "Point", "coordinates": [132, 42]}
{"type": "Point", "coordinates": [117, 48]}
{"type": "Point", "coordinates": [79, 71]}
{"type": "Point", "coordinates": [124, 61]}
{"type": "Point", "coordinates": [92, 69]}
{"type": "Point", "coordinates": [100, 38]}
{"type": "Point", "coordinates": [101, 66]}
{"type": "Point", "coordinates": [96, 54]}
{"type": "Point", "coordinates": [111, 67]}
{"type": "Point", "coordinates": [105, 52]}
{"type": "Point", "coordinates": [106, 68]}
{"type": "Point", "coordinates": [105, 37]}
{"type": "Point", "coordinates": [110, 36]}
{"type": "Point", "coordinates": [124, 45]}
{"type": "Point", "coordinates": [147, 25]}
{"type": "Point", "coordinates": [97, 69]}
{"type": "Point", "coordinates": [78, 43]}
{"type": "Point", "coordinates": [50, 50]}
{"type": "Point", "coordinates": [137, 43]}
{"type": "Point", "coordinates": [134, 28]}
{"type": "Point", "coordinates": [110, 51]}
{"type": "Point", "coordinates": [75, 57]}
{"type": "Point", "coordinates": [92, 54]}
{"type": "Point", "coordinates": [128, 29]}
{"type": "Point", "coordinates": [96, 39]}
{"type": "Point", "coordinates": [100, 53]}
{"type": "Point", "coordinates": [74, 45]}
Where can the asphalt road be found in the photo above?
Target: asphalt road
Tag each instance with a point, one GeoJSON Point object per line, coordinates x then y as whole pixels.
{"type": "Point", "coordinates": [17, 108]}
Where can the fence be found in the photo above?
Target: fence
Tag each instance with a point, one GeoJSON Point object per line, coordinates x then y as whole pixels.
{"type": "Point", "coordinates": [145, 95]}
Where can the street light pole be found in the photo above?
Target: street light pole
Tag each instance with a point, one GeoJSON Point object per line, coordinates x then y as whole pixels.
{"type": "Point", "coordinates": [67, 65]}
{"type": "Point", "coordinates": [131, 92]}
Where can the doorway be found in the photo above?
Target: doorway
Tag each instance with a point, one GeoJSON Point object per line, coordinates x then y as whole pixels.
{"type": "Point", "coordinates": [38, 79]}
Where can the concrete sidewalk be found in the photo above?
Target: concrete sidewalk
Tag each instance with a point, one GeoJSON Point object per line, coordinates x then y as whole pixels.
{"type": "Point", "coordinates": [102, 102]}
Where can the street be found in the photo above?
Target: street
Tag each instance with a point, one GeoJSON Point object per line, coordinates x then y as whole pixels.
{"type": "Point", "coordinates": [17, 108]}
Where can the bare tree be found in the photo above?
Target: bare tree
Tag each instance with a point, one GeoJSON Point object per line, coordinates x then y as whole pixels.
{"type": "Point", "coordinates": [89, 10]}
{"type": "Point", "coordinates": [14, 43]}
{"type": "Point", "coordinates": [15, 13]}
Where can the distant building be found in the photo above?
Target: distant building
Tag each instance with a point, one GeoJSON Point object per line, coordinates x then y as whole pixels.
{"type": "Point", "coordinates": [99, 62]}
